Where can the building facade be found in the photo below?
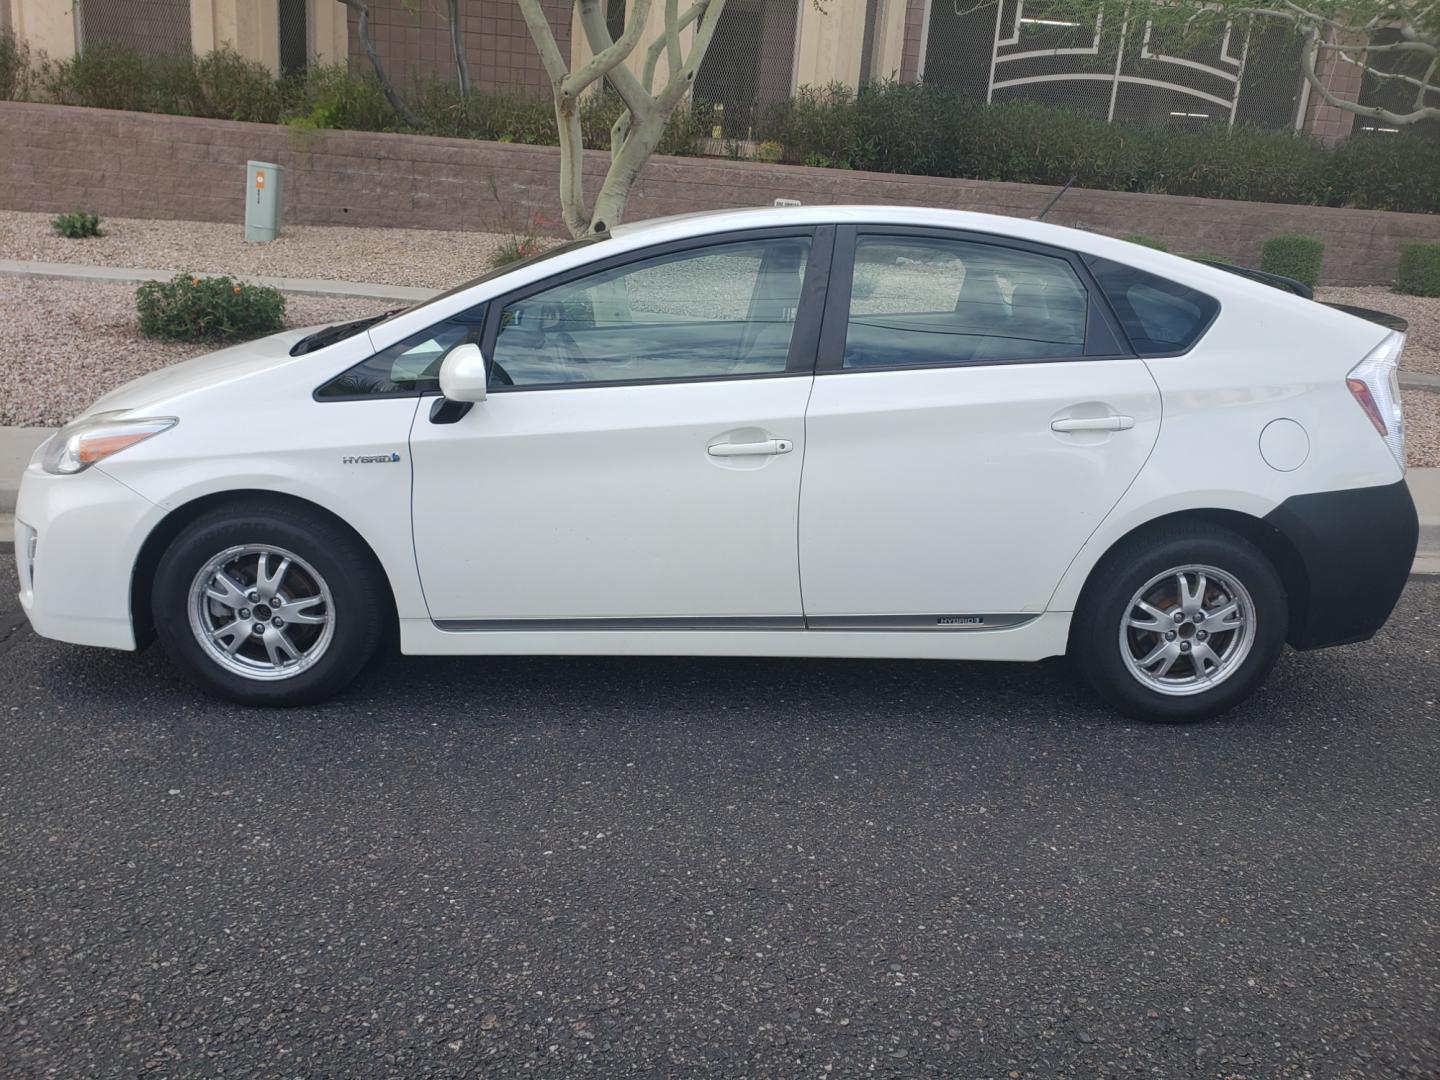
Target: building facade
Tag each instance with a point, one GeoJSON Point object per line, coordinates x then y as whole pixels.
{"type": "Point", "coordinates": [763, 51]}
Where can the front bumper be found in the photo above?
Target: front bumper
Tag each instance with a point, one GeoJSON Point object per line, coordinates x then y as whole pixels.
{"type": "Point", "coordinates": [77, 540]}
{"type": "Point", "coordinates": [1357, 547]}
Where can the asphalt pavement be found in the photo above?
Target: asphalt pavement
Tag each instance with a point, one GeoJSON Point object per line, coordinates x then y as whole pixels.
{"type": "Point", "coordinates": [621, 867]}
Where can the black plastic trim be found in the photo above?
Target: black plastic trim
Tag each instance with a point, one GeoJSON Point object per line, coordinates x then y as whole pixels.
{"type": "Point", "coordinates": [1357, 546]}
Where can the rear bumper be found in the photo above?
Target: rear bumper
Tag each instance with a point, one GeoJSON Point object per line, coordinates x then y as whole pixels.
{"type": "Point", "coordinates": [1357, 547]}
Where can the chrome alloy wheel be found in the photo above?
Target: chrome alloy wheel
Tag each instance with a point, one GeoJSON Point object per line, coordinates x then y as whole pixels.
{"type": "Point", "coordinates": [261, 612]}
{"type": "Point", "coordinates": [1187, 630]}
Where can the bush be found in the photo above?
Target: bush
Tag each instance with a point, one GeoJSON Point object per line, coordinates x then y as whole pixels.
{"type": "Point", "coordinates": [14, 67]}
{"type": "Point", "coordinates": [212, 310]}
{"type": "Point", "coordinates": [515, 248]}
{"type": "Point", "coordinates": [1419, 270]}
{"type": "Point", "coordinates": [77, 225]}
{"type": "Point", "coordinates": [1298, 257]}
{"type": "Point", "coordinates": [1148, 241]}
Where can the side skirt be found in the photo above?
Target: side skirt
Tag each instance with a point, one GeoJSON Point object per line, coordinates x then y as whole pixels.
{"type": "Point", "coordinates": [1035, 638]}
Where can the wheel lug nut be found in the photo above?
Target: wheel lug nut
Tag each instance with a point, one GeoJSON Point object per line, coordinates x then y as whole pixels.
{"type": "Point", "coordinates": [252, 595]}
{"type": "Point", "coordinates": [1179, 616]}
{"type": "Point", "coordinates": [1184, 646]}
{"type": "Point", "coordinates": [276, 601]}
{"type": "Point", "coordinates": [244, 612]}
{"type": "Point", "coordinates": [1169, 635]}
{"type": "Point", "coordinates": [1201, 635]}
{"type": "Point", "coordinates": [258, 628]}
{"type": "Point", "coordinates": [1199, 616]}
{"type": "Point", "coordinates": [277, 621]}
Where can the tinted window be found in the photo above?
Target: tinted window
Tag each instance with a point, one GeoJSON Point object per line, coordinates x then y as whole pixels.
{"type": "Point", "coordinates": [921, 300]}
{"type": "Point", "coordinates": [1159, 316]}
{"type": "Point", "coordinates": [725, 310]}
{"type": "Point", "coordinates": [411, 366]}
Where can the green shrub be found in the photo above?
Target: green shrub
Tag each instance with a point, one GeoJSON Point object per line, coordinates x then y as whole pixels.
{"type": "Point", "coordinates": [1298, 257]}
{"type": "Point", "coordinates": [14, 67]}
{"type": "Point", "coordinates": [103, 77]}
{"type": "Point", "coordinates": [212, 310]}
{"type": "Point", "coordinates": [1419, 270]}
{"type": "Point", "coordinates": [515, 248]}
{"type": "Point", "coordinates": [77, 225]}
{"type": "Point", "coordinates": [1148, 241]}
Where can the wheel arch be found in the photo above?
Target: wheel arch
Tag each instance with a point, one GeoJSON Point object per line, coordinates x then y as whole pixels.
{"type": "Point", "coordinates": [1278, 548]}
{"type": "Point", "coordinates": [142, 575]}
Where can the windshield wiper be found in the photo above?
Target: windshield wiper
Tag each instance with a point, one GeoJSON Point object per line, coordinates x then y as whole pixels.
{"type": "Point", "coordinates": [339, 332]}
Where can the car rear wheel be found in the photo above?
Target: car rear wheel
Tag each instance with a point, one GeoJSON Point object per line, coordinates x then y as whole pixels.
{"type": "Point", "coordinates": [269, 605]}
{"type": "Point", "coordinates": [1180, 623]}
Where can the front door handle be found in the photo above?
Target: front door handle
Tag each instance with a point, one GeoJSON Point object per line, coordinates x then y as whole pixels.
{"type": "Point", "coordinates": [1093, 423]}
{"type": "Point", "coordinates": [745, 449]}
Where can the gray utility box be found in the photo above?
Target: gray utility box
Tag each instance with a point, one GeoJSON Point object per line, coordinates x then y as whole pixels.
{"type": "Point", "coordinates": [263, 182]}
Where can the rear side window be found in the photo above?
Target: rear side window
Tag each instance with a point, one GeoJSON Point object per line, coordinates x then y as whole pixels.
{"type": "Point", "coordinates": [923, 301]}
{"type": "Point", "coordinates": [1160, 317]}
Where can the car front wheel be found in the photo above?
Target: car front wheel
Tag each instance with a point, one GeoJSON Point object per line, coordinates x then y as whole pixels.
{"type": "Point", "coordinates": [1180, 624]}
{"type": "Point", "coordinates": [268, 605]}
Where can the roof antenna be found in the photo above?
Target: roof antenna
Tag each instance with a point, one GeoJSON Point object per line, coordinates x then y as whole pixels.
{"type": "Point", "coordinates": [1051, 205]}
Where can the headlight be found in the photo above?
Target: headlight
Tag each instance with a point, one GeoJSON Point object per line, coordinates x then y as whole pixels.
{"type": "Point", "coordinates": [81, 443]}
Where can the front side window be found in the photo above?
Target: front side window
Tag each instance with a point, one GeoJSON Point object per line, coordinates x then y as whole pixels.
{"type": "Point", "coordinates": [410, 366]}
{"type": "Point", "coordinates": [727, 310]}
{"type": "Point", "coordinates": [920, 301]}
{"type": "Point", "coordinates": [1160, 316]}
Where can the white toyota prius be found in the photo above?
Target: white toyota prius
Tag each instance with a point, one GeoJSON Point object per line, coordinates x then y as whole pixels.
{"type": "Point", "coordinates": [810, 432]}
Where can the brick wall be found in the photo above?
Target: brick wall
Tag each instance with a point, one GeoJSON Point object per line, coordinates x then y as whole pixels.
{"type": "Point", "coordinates": [144, 165]}
{"type": "Point", "coordinates": [1344, 80]}
{"type": "Point", "coordinates": [414, 44]}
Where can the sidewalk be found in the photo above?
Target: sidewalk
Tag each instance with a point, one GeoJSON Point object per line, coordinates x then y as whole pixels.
{"type": "Point", "coordinates": [18, 443]}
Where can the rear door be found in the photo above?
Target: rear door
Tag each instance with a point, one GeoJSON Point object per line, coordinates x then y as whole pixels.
{"type": "Point", "coordinates": [974, 417]}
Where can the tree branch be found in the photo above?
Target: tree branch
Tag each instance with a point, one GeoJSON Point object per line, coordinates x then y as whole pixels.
{"type": "Point", "coordinates": [1374, 112]}
{"type": "Point", "coordinates": [362, 9]}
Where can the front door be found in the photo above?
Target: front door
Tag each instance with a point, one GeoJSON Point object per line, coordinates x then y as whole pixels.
{"type": "Point", "coordinates": [637, 461]}
{"type": "Point", "coordinates": [974, 418]}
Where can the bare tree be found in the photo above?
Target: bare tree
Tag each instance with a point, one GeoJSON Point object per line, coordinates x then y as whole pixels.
{"type": "Point", "coordinates": [648, 109]}
{"type": "Point", "coordinates": [457, 50]}
{"type": "Point", "coordinates": [362, 10]}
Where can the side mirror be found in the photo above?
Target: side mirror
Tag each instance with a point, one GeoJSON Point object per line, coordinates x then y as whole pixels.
{"type": "Point", "coordinates": [462, 374]}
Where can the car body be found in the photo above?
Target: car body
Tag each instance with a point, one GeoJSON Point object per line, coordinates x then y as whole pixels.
{"type": "Point", "coordinates": [810, 432]}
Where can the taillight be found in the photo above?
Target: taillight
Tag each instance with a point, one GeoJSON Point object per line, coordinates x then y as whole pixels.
{"type": "Point", "coordinates": [1375, 385]}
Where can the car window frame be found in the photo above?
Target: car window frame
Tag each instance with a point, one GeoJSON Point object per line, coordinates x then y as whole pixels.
{"type": "Point", "coordinates": [1104, 339]}
{"type": "Point", "coordinates": [804, 338]}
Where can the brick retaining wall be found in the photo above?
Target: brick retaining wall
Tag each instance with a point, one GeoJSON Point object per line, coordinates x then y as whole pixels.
{"type": "Point", "coordinates": [55, 158]}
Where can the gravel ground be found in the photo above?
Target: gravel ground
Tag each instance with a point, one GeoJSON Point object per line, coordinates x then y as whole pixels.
{"type": "Point", "coordinates": [610, 867]}
{"type": "Point", "coordinates": [412, 257]}
{"type": "Point", "coordinates": [63, 344]}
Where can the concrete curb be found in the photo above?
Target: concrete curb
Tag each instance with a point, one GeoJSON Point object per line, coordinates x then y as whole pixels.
{"type": "Point", "coordinates": [129, 276]}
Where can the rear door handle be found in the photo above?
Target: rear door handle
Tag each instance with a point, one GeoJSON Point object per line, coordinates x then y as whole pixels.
{"type": "Point", "coordinates": [744, 449]}
{"type": "Point", "coordinates": [1093, 423]}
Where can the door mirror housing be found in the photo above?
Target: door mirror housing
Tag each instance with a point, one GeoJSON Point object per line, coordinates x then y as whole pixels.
{"type": "Point", "coordinates": [463, 373]}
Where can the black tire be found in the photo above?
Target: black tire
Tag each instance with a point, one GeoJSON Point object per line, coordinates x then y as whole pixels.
{"type": "Point", "coordinates": [1095, 636]}
{"type": "Point", "coordinates": [359, 611]}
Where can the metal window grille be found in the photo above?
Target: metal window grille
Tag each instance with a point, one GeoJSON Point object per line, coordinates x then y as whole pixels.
{"type": "Point", "coordinates": [148, 27]}
{"type": "Point", "coordinates": [1124, 70]}
{"type": "Point", "coordinates": [749, 66]}
{"type": "Point", "coordinates": [294, 37]}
